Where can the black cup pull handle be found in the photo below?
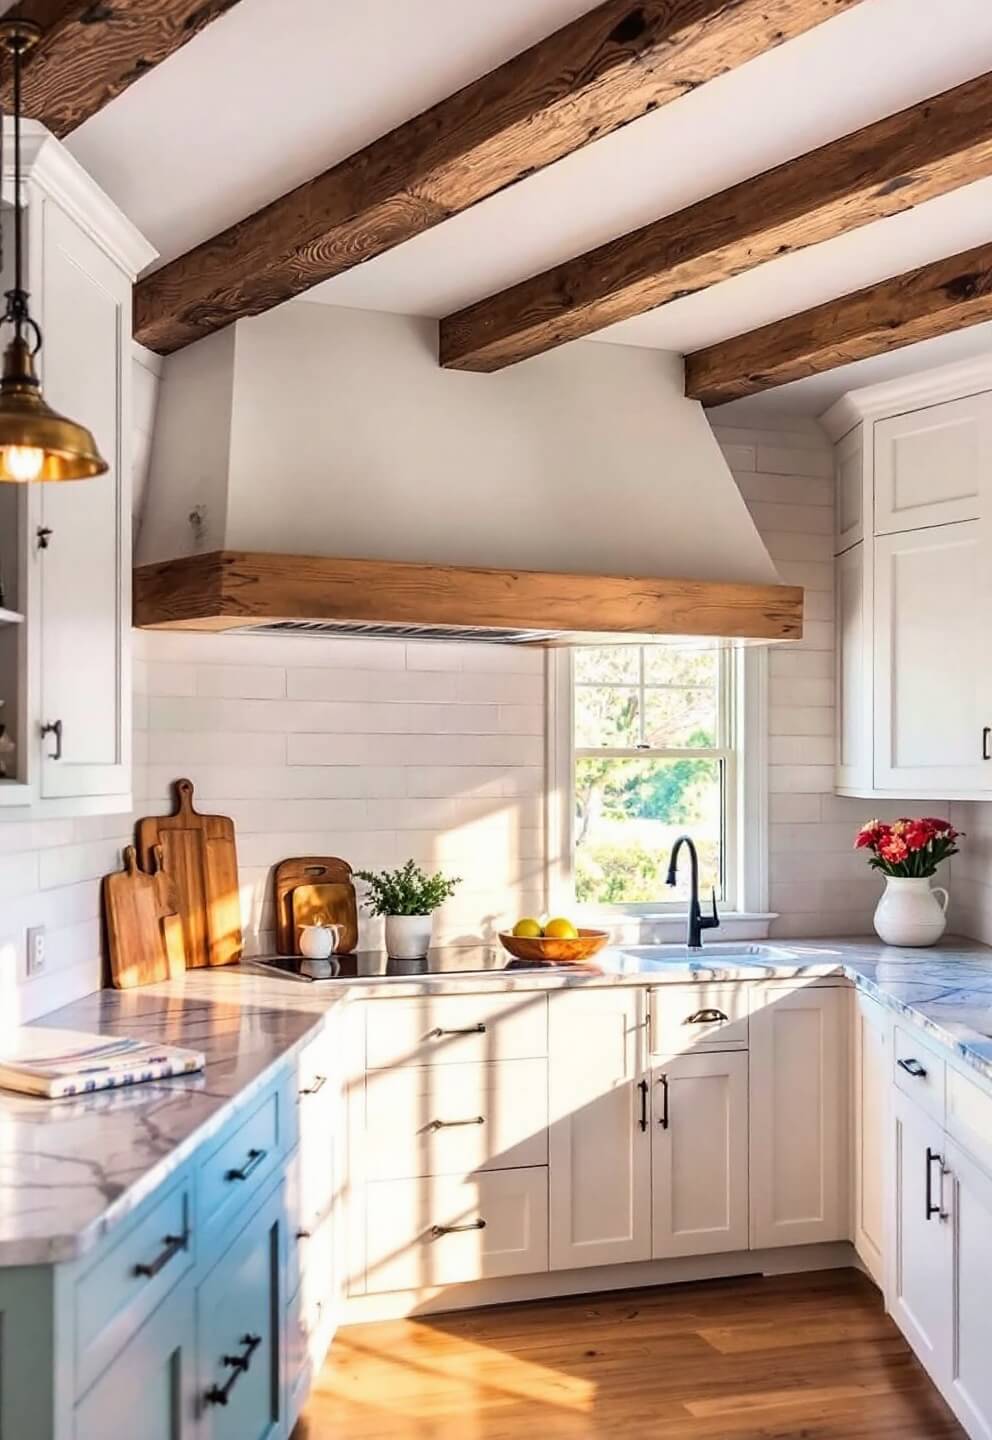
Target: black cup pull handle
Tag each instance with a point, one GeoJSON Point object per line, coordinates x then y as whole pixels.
{"type": "Point", "coordinates": [437, 1033]}
{"type": "Point", "coordinates": [456, 1124]}
{"type": "Point", "coordinates": [438, 1230]}
{"type": "Point", "coordinates": [255, 1158]}
{"type": "Point", "coordinates": [913, 1067]}
{"type": "Point", "coordinates": [238, 1365]}
{"type": "Point", "coordinates": [663, 1082]}
{"type": "Point", "coordinates": [707, 1017]}
{"type": "Point", "coordinates": [171, 1246]}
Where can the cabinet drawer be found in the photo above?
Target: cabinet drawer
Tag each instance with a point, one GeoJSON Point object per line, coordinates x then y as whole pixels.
{"type": "Point", "coordinates": [456, 1029]}
{"type": "Point", "coordinates": [238, 1312]}
{"type": "Point", "coordinates": [120, 1291]}
{"type": "Point", "coordinates": [239, 1167]}
{"type": "Point", "coordinates": [969, 1117]}
{"type": "Point", "coordinates": [698, 1017]}
{"type": "Point", "coordinates": [918, 1071]}
{"type": "Point", "coordinates": [445, 1231]}
{"type": "Point", "coordinates": [453, 1119]}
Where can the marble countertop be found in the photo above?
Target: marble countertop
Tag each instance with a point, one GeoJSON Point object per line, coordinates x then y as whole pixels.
{"type": "Point", "coordinates": [70, 1170]}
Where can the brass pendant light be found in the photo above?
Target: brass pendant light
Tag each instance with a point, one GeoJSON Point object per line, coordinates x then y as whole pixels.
{"type": "Point", "coordinates": [35, 442]}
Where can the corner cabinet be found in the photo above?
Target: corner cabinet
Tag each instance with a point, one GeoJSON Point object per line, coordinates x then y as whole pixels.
{"type": "Point", "coordinates": [913, 599]}
{"type": "Point", "coordinates": [65, 551]}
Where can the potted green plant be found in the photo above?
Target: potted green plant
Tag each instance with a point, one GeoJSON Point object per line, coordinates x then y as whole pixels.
{"type": "Point", "coordinates": [407, 898]}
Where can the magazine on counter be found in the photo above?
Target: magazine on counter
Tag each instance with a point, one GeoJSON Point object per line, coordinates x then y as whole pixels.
{"type": "Point", "coordinates": [41, 1060]}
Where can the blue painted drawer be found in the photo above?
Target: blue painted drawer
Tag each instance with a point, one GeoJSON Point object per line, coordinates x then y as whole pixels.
{"type": "Point", "coordinates": [125, 1284]}
{"type": "Point", "coordinates": [239, 1307]}
{"type": "Point", "coordinates": [240, 1166]}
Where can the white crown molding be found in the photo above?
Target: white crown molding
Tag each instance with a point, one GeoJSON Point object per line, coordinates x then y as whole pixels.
{"type": "Point", "coordinates": [912, 392]}
{"type": "Point", "coordinates": [48, 165]}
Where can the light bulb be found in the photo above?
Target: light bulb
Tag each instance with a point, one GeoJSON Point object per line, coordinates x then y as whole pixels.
{"type": "Point", "coordinates": [22, 462]}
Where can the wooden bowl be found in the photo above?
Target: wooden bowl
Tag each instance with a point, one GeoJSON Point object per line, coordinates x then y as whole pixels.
{"type": "Point", "coordinates": [546, 950]}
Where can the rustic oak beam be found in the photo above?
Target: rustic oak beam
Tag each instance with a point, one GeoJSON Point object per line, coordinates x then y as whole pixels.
{"type": "Point", "coordinates": [228, 589]}
{"type": "Point", "coordinates": [883, 169]}
{"type": "Point", "coordinates": [921, 304]}
{"type": "Point", "coordinates": [606, 68]}
{"type": "Point", "coordinates": [91, 51]}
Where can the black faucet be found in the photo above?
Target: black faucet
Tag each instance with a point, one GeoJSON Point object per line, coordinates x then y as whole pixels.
{"type": "Point", "coordinates": [698, 922]}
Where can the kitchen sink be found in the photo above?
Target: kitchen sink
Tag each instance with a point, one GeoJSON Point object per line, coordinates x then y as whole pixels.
{"type": "Point", "coordinates": [727, 953]}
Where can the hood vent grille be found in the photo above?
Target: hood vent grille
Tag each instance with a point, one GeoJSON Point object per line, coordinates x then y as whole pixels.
{"type": "Point", "coordinates": [369, 630]}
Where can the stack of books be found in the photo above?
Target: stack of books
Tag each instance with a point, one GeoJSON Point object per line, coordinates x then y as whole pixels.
{"type": "Point", "coordinates": [40, 1060]}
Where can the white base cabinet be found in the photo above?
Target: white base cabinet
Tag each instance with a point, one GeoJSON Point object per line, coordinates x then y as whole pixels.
{"type": "Point", "coordinates": [798, 1109]}
{"type": "Point", "coordinates": [870, 1073]}
{"type": "Point", "coordinates": [920, 1293]}
{"type": "Point", "coordinates": [599, 1141]}
{"type": "Point", "coordinates": [699, 1155]}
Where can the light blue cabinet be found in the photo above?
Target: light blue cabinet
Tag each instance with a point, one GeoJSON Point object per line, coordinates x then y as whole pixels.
{"type": "Point", "coordinates": [240, 1386]}
{"type": "Point", "coordinates": [148, 1390]}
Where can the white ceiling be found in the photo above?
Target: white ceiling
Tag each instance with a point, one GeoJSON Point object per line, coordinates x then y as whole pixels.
{"type": "Point", "coordinates": [271, 94]}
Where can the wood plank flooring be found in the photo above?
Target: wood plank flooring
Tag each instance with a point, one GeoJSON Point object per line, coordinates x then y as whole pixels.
{"type": "Point", "coordinates": [800, 1357]}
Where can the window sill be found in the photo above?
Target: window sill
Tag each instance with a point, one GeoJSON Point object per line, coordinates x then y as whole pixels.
{"type": "Point", "coordinates": [666, 927]}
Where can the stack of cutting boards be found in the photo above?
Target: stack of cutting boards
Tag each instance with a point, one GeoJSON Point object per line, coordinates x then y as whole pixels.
{"type": "Point", "coordinates": [181, 908]}
{"type": "Point", "coordinates": [315, 890]}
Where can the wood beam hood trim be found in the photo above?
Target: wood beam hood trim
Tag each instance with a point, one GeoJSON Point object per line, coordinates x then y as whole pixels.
{"type": "Point", "coordinates": [606, 68]}
{"type": "Point", "coordinates": [933, 300]}
{"type": "Point", "coordinates": [90, 53]}
{"type": "Point", "coordinates": [881, 170]}
{"type": "Point", "coordinates": [230, 589]}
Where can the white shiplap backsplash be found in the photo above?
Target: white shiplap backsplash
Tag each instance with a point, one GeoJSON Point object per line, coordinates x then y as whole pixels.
{"type": "Point", "coordinates": [377, 750]}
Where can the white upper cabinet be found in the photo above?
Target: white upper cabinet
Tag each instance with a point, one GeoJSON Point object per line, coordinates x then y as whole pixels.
{"type": "Point", "coordinates": [913, 597]}
{"type": "Point", "coordinates": [849, 498]}
{"type": "Point", "coordinates": [932, 466]}
{"type": "Point", "coordinates": [932, 702]}
{"type": "Point", "coordinates": [65, 675]}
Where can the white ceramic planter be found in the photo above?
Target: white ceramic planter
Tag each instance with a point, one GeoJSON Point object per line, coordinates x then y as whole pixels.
{"type": "Point", "coordinates": [408, 937]}
{"type": "Point", "coordinates": [909, 912]}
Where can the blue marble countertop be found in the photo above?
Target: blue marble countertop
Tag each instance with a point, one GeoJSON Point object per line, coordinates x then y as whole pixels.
{"type": "Point", "coordinates": [71, 1170]}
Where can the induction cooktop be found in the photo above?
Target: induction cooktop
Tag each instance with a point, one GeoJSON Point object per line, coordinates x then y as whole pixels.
{"type": "Point", "coordinates": [375, 964]}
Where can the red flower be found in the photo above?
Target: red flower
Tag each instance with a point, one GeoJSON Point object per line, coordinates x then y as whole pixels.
{"type": "Point", "coordinates": [919, 834]}
{"type": "Point", "coordinates": [893, 849]}
{"type": "Point", "coordinates": [870, 833]}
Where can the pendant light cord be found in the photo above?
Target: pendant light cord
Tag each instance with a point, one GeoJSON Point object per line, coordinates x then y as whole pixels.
{"type": "Point", "coordinates": [17, 312]}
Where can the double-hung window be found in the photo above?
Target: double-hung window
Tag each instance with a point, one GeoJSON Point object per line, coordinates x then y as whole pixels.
{"type": "Point", "coordinates": [648, 750]}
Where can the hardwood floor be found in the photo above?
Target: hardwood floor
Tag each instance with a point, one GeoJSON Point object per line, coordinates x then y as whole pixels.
{"type": "Point", "coordinates": [800, 1357]}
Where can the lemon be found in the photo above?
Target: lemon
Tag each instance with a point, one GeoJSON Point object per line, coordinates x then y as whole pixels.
{"type": "Point", "coordinates": [528, 929]}
{"type": "Point", "coordinates": [561, 930]}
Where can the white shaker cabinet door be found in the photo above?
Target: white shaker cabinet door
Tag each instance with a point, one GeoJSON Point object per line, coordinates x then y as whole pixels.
{"type": "Point", "coordinates": [599, 1140]}
{"type": "Point", "coordinates": [699, 1154]}
{"type": "Point", "coordinates": [84, 566]}
{"type": "Point", "coordinates": [919, 1293]}
{"type": "Point", "coordinates": [799, 1098]}
{"type": "Point", "coordinates": [931, 684]}
{"type": "Point", "coordinates": [872, 1048]}
{"type": "Point", "coordinates": [971, 1351]}
{"type": "Point", "coordinates": [932, 465]}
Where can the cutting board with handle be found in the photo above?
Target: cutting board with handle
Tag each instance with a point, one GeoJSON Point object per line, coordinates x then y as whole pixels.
{"type": "Point", "coordinates": [314, 890]}
{"type": "Point", "coordinates": [143, 928]}
{"type": "Point", "coordinates": [200, 856]}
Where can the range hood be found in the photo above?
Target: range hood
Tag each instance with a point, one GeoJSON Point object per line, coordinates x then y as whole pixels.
{"type": "Point", "coordinates": [314, 471]}
{"type": "Point", "coordinates": [312, 595]}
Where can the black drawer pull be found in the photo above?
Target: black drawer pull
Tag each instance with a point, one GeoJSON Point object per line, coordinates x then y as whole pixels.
{"type": "Point", "coordinates": [438, 1230]}
{"type": "Point", "coordinates": [913, 1067]}
{"type": "Point", "coordinates": [438, 1033]}
{"type": "Point", "coordinates": [986, 737]}
{"type": "Point", "coordinates": [172, 1245]}
{"type": "Point", "coordinates": [938, 1208]}
{"type": "Point", "coordinates": [707, 1017]}
{"type": "Point", "coordinates": [642, 1085]}
{"type": "Point", "coordinates": [255, 1158]}
{"type": "Point", "coordinates": [238, 1364]}
{"type": "Point", "coordinates": [319, 1081]}
{"type": "Point", "coordinates": [455, 1124]}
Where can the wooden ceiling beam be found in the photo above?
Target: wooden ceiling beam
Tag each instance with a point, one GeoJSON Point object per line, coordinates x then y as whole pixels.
{"type": "Point", "coordinates": [901, 161]}
{"type": "Point", "coordinates": [606, 68]}
{"type": "Point", "coordinates": [921, 304]}
{"type": "Point", "coordinates": [91, 51]}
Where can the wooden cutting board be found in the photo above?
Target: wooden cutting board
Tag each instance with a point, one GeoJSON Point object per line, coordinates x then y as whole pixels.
{"type": "Point", "coordinates": [309, 887]}
{"type": "Point", "coordinates": [144, 942]}
{"type": "Point", "coordinates": [200, 855]}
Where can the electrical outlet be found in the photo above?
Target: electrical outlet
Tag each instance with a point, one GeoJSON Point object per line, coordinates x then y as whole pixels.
{"type": "Point", "coordinates": [36, 950]}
